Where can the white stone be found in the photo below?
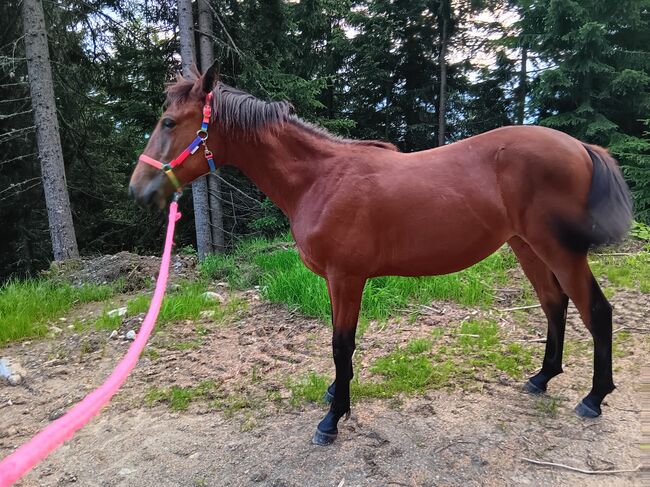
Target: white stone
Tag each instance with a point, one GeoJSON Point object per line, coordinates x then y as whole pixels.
{"type": "Point", "coordinates": [212, 296]}
{"type": "Point", "coordinates": [113, 334]}
{"type": "Point", "coordinates": [117, 312]}
{"type": "Point", "coordinates": [130, 335]}
{"type": "Point", "coordinates": [11, 371]}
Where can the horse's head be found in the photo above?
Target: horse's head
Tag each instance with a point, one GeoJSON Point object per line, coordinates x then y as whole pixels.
{"type": "Point", "coordinates": [153, 181]}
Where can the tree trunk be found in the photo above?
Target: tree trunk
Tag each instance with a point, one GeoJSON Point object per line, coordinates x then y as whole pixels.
{"type": "Point", "coordinates": [199, 186]}
{"type": "Point", "coordinates": [521, 92]}
{"type": "Point", "coordinates": [214, 184]}
{"type": "Point", "coordinates": [442, 98]}
{"type": "Point", "coordinates": [57, 201]}
{"type": "Point", "coordinates": [330, 70]}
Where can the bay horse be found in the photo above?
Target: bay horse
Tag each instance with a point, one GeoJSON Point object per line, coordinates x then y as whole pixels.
{"type": "Point", "coordinates": [361, 209]}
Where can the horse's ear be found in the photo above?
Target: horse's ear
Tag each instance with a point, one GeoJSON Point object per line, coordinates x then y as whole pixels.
{"type": "Point", "coordinates": [210, 77]}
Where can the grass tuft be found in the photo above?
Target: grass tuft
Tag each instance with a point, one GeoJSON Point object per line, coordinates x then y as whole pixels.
{"type": "Point", "coordinates": [276, 267]}
{"type": "Point", "coordinates": [310, 388]}
{"type": "Point", "coordinates": [27, 306]}
{"type": "Point", "coordinates": [473, 350]}
{"type": "Point", "coordinates": [629, 271]}
{"type": "Point", "coordinates": [186, 303]}
{"type": "Point", "coordinates": [285, 279]}
{"type": "Point", "coordinates": [179, 398]}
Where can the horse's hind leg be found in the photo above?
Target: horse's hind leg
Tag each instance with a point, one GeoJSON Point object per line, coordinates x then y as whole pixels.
{"type": "Point", "coordinates": [577, 281]}
{"type": "Point", "coordinates": [554, 303]}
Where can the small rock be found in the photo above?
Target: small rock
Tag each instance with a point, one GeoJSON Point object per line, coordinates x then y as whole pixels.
{"type": "Point", "coordinates": [113, 335]}
{"type": "Point", "coordinates": [130, 335]}
{"type": "Point", "coordinates": [222, 284]}
{"type": "Point", "coordinates": [70, 327]}
{"type": "Point", "coordinates": [125, 471]}
{"type": "Point", "coordinates": [117, 312]}
{"type": "Point", "coordinates": [212, 296]}
{"type": "Point", "coordinates": [56, 414]}
{"type": "Point", "coordinates": [56, 330]}
{"type": "Point", "coordinates": [63, 319]}
{"type": "Point", "coordinates": [11, 371]}
{"type": "Point", "coordinates": [258, 477]}
{"type": "Point", "coordinates": [70, 478]}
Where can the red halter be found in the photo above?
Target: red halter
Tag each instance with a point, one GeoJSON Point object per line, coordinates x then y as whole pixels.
{"type": "Point", "coordinates": [201, 137]}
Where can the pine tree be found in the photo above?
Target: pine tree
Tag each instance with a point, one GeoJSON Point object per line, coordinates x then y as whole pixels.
{"type": "Point", "coordinates": [597, 87]}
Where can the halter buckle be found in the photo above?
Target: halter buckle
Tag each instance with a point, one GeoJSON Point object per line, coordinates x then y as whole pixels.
{"type": "Point", "coordinates": [202, 134]}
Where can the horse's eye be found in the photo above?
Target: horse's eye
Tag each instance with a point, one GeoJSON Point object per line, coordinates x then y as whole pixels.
{"type": "Point", "coordinates": [169, 123]}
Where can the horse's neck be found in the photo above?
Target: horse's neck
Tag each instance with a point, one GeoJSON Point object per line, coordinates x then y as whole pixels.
{"type": "Point", "coordinates": [283, 165]}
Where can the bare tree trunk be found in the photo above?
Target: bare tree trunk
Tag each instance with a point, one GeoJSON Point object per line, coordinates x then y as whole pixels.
{"type": "Point", "coordinates": [521, 92]}
{"type": "Point", "coordinates": [200, 186]}
{"type": "Point", "coordinates": [442, 98]}
{"type": "Point", "coordinates": [57, 201]}
{"type": "Point", "coordinates": [214, 184]}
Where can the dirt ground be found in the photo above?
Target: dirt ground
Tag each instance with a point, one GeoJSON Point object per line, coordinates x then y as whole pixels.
{"type": "Point", "coordinates": [472, 435]}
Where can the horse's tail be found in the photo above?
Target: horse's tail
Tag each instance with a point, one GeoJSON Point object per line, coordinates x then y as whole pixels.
{"type": "Point", "coordinates": [609, 206]}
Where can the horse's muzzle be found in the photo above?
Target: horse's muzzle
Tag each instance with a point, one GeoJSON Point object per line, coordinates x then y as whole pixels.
{"type": "Point", "coordinates": [152, 195]}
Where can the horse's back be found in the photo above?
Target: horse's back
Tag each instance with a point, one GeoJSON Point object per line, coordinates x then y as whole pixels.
{"type": "Point", "coordinates": [442, 210]}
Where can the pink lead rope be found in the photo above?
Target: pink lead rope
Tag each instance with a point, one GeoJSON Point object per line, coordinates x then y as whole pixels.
{"type": "Point", "coordinates": [27, 456]}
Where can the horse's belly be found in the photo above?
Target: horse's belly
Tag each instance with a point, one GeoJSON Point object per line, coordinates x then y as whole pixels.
{"type": "Point", "coordinates": [440, 245]}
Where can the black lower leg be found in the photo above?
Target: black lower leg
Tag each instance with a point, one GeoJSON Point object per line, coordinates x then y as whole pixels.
{"type": "Point", "coordinates": [601, 331]}
{"type": "Point", "coordinates": [343, 347]}
{"type": "Point", "coordinates": [552, 364]}
{"type": "Point", "coordinates": [328, 397]}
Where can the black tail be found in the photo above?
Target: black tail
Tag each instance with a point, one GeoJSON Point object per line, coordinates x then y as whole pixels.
{"type": "Point", "coordinates": [609, 207]}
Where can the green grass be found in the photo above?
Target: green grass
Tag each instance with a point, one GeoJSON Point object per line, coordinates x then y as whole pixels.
{"type": "Point", "coordinates": [310, 388]}
{"type": "Point", "coordinates": [105, 322]}
{"type": "Point", "coordinates": [187, 345]}
{"type": "Point", "coordinates": [629, 271]}
{"type": "Point", "coordinates": [179, 398]}
{"type": "Point", "coordinates": [286, 280]}
{"type": "Point", "coordinates": [276, 267]}
{"type": "Point", "coordinates": [239, 268]}
{"type": "Point", "coordinates": [480, 343]}
{"type": "Point", "coordinates": [547, 405]}
{"type": "Point", "coordinates": [475, 349]}
{"type": "Point", "coordinates": [185, 303]}
{"type": "Point", "coordinates": [27, 306]}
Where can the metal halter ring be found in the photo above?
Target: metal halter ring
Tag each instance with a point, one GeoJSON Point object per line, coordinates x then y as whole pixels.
{"type": "Point", "coordinates": [202, 134]}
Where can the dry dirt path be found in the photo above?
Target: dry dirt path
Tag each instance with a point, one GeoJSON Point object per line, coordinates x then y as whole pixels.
{"type": "Point", "coordinates": [476, 434]}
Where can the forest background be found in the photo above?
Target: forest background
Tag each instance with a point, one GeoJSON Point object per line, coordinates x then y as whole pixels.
{"type": "Point", "coordinates": [418, 73]}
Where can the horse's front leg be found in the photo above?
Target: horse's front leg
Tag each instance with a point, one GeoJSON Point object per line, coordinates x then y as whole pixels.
{"type": "Point", "coordinates": [345, 294]}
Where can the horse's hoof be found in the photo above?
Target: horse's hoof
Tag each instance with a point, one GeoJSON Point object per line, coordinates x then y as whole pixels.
{"type": "Point", "coordinates": [327, 397]}
{"type": "Point", "coordinates": [585, 411]}
{"type": "Point", "coordinates": [323, 439]}
{"type": "Point", "coordinates": [531, 388]}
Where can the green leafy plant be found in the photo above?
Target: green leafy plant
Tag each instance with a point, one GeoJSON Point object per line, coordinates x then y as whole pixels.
{"type": "Point", "coordinates": [641, 231]}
